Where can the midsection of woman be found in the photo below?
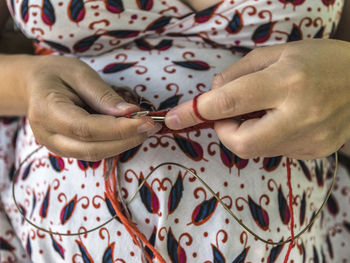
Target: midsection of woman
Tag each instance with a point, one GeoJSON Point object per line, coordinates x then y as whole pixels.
{"type": "Point", "coordinates": [166, 54]}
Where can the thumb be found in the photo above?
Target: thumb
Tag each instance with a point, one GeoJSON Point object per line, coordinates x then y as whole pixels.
{"type": "Point", "coordinates": [97, 94]}
{"type": "Point", "coordinates": [256, 60]}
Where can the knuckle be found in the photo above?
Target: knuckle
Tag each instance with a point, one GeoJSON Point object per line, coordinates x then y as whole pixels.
{"type": "Point", "coordinates": [82, 70]}
{"type": "Point", "coordinates": [91, 155]}
{"type": "Point", "coordinates": [106, 97]}
{"type": "Point", "coordinates": [225, 103]}
{"type": "Point", "coordinates": [35, 114]}
{"type": "Point", "coordinates": [322, 137]}
{"type": "Point", "coordinates": [218, 81]}
{"type": "Point", "coordinates": [192, 118]}
{"type": "Point", "coordinates": [298, 78]}
{"type": "Point", "coordinates": [253, 54]}
{"type": "Point", "coordinates": [121, 133]}
{"type": "Point", "coordinates": [81, 131]}
{"type": "Point", "coordinates": [241, 148]}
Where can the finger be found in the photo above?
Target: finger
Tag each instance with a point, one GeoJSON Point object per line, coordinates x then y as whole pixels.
{"type": "Point", "coordinates": [96, 93]}
{"type": "Point", "coordinates": [256, 60]}
{"type": "Point", "coordinates": [256, 137]}
{"type": "Point", "coordinates": [84, 126]}
{"type": "Point", "coordinates": [91, 151]}
{"type": "Point", "coordinates": [254, 92]}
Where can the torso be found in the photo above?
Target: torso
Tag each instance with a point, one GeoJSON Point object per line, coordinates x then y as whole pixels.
{"type": "Point", "coordinates": [167, 63]}
{"type": "Point", "coordinates": [198, 5]}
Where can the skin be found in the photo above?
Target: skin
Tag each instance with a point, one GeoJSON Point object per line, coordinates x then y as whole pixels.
{"type": "Point", "coordinates": [44, 89]}
{"type": "Point", "coordinates": [308, 101]}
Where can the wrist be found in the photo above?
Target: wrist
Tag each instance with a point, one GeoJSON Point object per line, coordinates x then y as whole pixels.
{"type": "Point", "coordinates": [14, 76]}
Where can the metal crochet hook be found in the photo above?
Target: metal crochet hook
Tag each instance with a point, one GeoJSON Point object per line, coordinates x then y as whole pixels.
{"type": "Point", "coordinates": [145, 113]}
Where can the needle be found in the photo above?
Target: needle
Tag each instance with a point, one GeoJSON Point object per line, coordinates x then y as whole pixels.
{"type": "Point", "coordinates": [145, 113]}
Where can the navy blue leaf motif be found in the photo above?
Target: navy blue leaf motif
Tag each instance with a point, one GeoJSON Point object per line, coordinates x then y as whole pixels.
{"type": "Point", "coordinates": [111, 208]}
{"type": "Point", "coordinates": [152, 241]}
{"type": "Point", "coordinates": [332, 205]}
{"type": "Point", "coordinates": [145, 4]}
{"type": "Point", "coordinates": [331, 35]}
{"type": "Point", "coordinates": [108, 255]}
{"type": "Point", "coordinates": [122, 34]}
{"type": "Point", "coordinates": [85, 43]}
{"type": "Point", "coordinates": [316, 259]}
{"type": "Point", "coordinates": [295, 34]}
{"type": "Point", "coordinates": [303, 252]}
{"type": "Point", "coordinates": [67, 210]}
{"type": "Point", "coordinates": [45, 205]}
{"type": "Point", "coordinates": [114, 6]}
{"type": "Point", "coordinates": [58, 248]}
{"type": "Point", "coordinates": [56, 162]}
{"type": "Point", "coordinates": [175, 251]}
{"type": "Point", "coordinates": [24, 10]}
{"type": "Point", "coordinates": [170, 102]}
{"type": "Point", "coordinates": [226, 156]}
{"type": "Point", "coordinates": [84, 253]}
{"type": "Point", "coordinates": [302, 209]}
{"type": "Point", "coordinates": [76, 10]}
{"type": "Point", "coordinates": [259, 214]}
{"type": "Point", "coordinates": [263, 33]}
{"type": "Point", "coordinates": [205, 15]}
{"type": "Point", "coordinates": [192, 149]}
{"type": "Point", "coordinates": [175, 194]}
{"type": "Point", "coordinates": [347, 226]}
{"type": "Point", "coordinates": [194, 64]}
{"type": "Point", "coordinates": [163, 45]}
{"type": "Point", "coordinates": [271, 163]}
{"type": "Point", "coordinates": [319, 33]}
{"type": "Point", "coordinates": [23, 211]}
{"type": "Point", "coordinates": [275, 252]}
{"type": "Point", "coordinates": [204, 211]}
{"type": "Point", "coordinates": [330, 247]}
{"type": "Point", "coordinates": [143, 45]}
{"type": "Point", "coordinates": [27, 171]}
{"type": "Point", "coordinates": [48, 13]}
{"type": "Point", "coordinates": [218, 257]}
{"type": "Point", "coordinates": [4, 245]}
{"type": "Point", "coordinates": [319, 173]}
{"type": "Point", "coordinates": [12, 172]}
{"type": "Point", "coordinates": [129, 154]}
{"type": "Point", "coordinates": [159, 23]}
{"type": "Point", "coordinates": [241, 257]}
{"type": "Point", "coordinates": [29, 247]}
{"type": "Point", "coordinates": [57, 46]}
{"type": "Point", "coordinates": [235, 25]}
{"type": "Point", "coordinates": [283, 207]}
{"type": "Point", "coordinates": [305, 169]}
{"type": "Point", "coordinates": [116, 67]}
{"type": "Point", "coordinates": [148, 197]}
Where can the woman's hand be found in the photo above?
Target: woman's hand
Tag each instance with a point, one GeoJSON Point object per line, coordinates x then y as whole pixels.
{"type": "Point", "coordinates": [74, 113]}
{"type": "Point", "coordinates": [305, 88]}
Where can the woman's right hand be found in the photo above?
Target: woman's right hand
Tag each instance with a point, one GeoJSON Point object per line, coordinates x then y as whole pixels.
{"type": "Point", "coordinates": [61, 95]}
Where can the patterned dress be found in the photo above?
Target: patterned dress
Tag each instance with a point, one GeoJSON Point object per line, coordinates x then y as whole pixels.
{"type": "Point", "coordinates": [164, 53]}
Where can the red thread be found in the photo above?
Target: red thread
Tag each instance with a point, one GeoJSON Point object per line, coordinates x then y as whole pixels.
{"type": "Point", "coordinates": [290, 199]}
{"type": "Point", "coordinates": [110, 188]}
{"type": "Point", "coordinates": [195, 108]}
{"type": "Point", "coordinates": [110, 183]}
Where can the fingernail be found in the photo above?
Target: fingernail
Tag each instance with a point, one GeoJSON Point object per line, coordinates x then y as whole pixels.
{"type": "Point", "coordinates": [123, 106]}
{"type": "Point", "coordinates": [146, 127]}
{"type": "Point", "coordinates": [173, 121]}
{"type": "Point", "coordinates": [157, 128]}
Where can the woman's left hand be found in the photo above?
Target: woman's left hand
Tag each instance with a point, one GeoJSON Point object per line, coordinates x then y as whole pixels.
{"type": "Point", "coordinates": [304, 87]}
